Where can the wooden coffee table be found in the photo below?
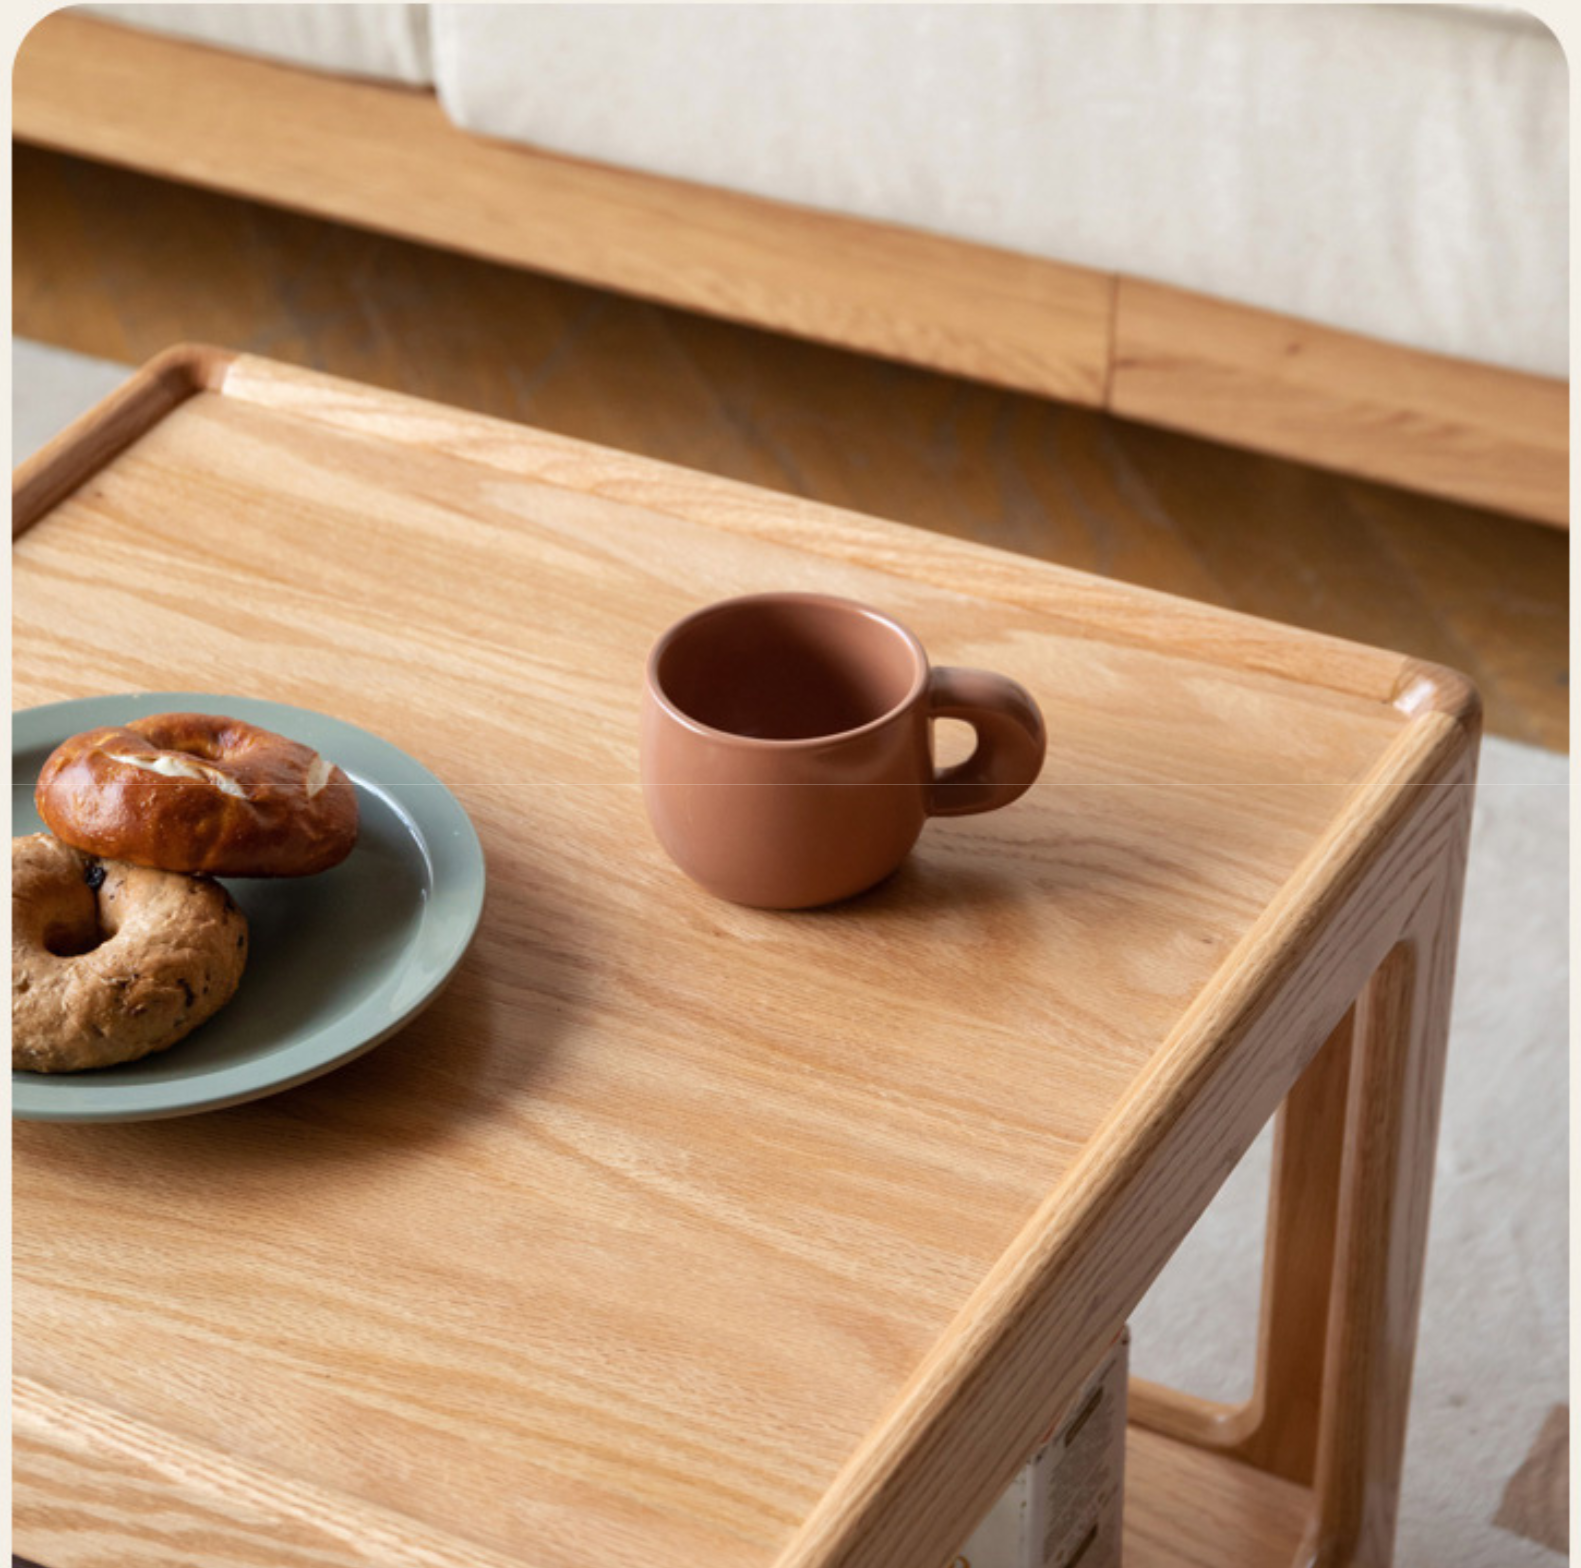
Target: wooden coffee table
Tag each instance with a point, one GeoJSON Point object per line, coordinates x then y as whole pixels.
{"type": "Point", "coordinates": [680, 1234]}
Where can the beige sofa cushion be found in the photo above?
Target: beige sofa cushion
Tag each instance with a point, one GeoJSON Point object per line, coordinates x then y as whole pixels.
{"type": "Point", "coordinates": [1396, 171]}
{"type": "Point", "coordinates": [389, 42]}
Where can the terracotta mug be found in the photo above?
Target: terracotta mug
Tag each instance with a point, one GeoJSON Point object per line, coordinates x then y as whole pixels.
{"type": "Point", "coordinates": [787, 749]}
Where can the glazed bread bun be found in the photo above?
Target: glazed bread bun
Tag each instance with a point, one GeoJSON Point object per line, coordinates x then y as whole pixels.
{"type": "Point", "coordinates": [198, 793]}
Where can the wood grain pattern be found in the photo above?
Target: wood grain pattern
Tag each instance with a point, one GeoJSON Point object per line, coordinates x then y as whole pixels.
{"type": "Point", "coordinates": [1490, 437]}
{"type": "Point", "coordinates": [94, 1486]}
{"type": "Point", "coordinates": [596, 1260]}
{"type": "Point", "coordinates": [90, 1484]}
{"type": "Point", "coordinates": [1184, 1125]}
{"type": "Point", "coordinates": [1473, 432]}
{"type": "Point", "coordinates": [84, 447]}
{"type": "Point", "coordinates": [1119, 612]}
{"type": "Point", "coordinates": [1188, 1509]}
{"type": "Point", "coordinates": [324, 144]}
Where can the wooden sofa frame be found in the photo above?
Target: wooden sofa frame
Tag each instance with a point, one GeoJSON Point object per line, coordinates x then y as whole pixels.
{"type": "Point", "coordinates": [387, 158]}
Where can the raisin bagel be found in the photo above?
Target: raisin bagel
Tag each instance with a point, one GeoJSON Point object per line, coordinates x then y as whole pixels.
{"type": "Point", "coordinates": [111, 962]}
{"type": "Point", "coordinates": [195, 792]}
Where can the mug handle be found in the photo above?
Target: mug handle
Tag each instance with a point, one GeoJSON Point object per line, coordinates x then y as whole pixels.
{"type": "Point", "coordinates": [1011, 741]}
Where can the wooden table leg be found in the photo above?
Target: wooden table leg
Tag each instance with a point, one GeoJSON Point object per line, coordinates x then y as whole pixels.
{"type": "Point", "coordinates": [1396, 1089]}
{"type": "Point", "coordinates": [1277, 1428]}
{"type": "Point", "coordinates": [1347, 1241]}
{"type": "Point", "coordinates": [1279, 1431]}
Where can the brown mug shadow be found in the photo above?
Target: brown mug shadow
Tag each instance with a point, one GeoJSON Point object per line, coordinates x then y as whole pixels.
{"type": "Point", "coordinates": [924, 886]}
{"type": "Point", "coordinates": [955, 880]}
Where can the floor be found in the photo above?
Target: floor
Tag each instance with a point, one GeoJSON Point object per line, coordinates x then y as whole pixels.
{"type": "Point", "coordinates": [117, 265]}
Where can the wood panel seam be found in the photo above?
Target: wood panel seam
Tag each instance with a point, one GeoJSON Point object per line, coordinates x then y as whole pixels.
{"type": "Point", "coordinates": [1111, 348]}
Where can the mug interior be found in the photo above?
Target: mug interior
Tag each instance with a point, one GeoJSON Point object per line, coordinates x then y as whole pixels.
{"type": "Point", "coordinates": [787, 669]}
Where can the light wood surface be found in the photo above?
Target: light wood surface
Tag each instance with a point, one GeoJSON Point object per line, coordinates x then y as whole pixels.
{"type": "Point", "coordinates": [92, 1485]}
{"type": "Point", "coordinates": [1189, 1118]}
{"type": "Point", "coordinates": [674, 1232]}
{"type": "Point", "coordinates": [1188, 1509]}
{"type": "Point", "coordinates": [1119, 612]}
{"type": "Point", "coordinates": [324, 144]}
{"type": "Point", "coordinates": [1476, 433]}
{"type": "Point", "coordinates": [50, 474]}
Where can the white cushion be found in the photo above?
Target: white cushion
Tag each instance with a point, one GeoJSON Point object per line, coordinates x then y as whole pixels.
{"type": "Point", "coordinates": [1398, 171]}
{"type": "Point", "coordinates": [389, 42]}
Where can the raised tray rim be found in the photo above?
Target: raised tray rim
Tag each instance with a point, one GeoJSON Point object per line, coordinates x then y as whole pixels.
{"type": "Point", "coordinates": [1320, 924]}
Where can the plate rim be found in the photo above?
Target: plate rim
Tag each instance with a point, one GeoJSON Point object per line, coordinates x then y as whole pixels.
{"type": "Point", "coordinates": [239, 1082]}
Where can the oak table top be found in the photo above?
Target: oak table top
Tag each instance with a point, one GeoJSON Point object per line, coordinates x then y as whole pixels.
{"type": "Point", "coordinates": [674, 1232]}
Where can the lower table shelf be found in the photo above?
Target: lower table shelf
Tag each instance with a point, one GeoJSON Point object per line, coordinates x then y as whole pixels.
{"type": "Point", "coordinates": [1187, 1508]}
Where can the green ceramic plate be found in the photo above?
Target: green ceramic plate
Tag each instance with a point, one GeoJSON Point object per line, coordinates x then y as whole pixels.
{"type": "Point", "coordinates": [338, 962]}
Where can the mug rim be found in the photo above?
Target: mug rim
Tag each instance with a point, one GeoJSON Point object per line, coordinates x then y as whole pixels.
{"type": "Point", "coordinates": [870, 612]}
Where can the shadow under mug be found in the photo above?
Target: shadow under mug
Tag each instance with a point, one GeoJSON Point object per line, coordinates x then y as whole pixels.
{"type": "Point", "coordinates": [787, 746]}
